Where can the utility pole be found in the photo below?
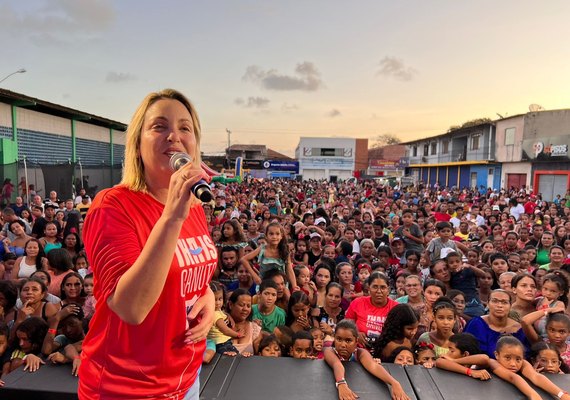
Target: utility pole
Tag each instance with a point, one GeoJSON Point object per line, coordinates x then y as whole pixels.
{"type": "Point", "coordinates": [228, 150]}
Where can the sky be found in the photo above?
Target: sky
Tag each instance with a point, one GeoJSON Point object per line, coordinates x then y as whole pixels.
{"type": "Point", "coordinates": [274, 71]}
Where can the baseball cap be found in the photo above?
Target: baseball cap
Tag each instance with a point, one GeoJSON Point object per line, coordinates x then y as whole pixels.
{"type": "Point", "coordinates": [396, 238]}
{"type": "Point", "coordinates": [314, 235]}
{"type": "Point", "coordinates": [496, 208]}
{"type": "Point", "coordinates": [320, 220]}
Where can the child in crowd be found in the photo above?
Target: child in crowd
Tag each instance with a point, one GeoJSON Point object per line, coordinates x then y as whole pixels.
{"type": "Point", "coordinates": [509, 365]}
{"type": "Point", "coordinates": [222, 331]}
{"type": "Point", "coordinates": [401, 355]}
{"type": "Point", "coordinates": [244, 281]}
{"type": "Point", "coordinates": [284, 335]}
{"type": "Point", "coordinates": [232, 236]}
{"type": "Point", "coordinates": [90, 302]}
{"type": "Point", "coordinates": [458, 299]}
{"type": "Point", "coordinates": [345, 349]}
{"type": "Point", "coordinates": [270, 347]}
{"type": "Point", "coordinates": [4, 340]}
{"type": "Point", "coordinates": [302, 346]}
{"type": "Point", "coordinates": [464, 277]}
{"type": "Point", "coordinates": [266, 312]}
{"type": "Point", "coordinates": [399, 330]}
{"type": "Point", "coordinates": [81, 265]}
{"type": "Point", "coordinates": [424, 354]}
{"type": "Point", "coordinates": [273, 255]}
{"type": "Point", "coordinates": [546, 358]}
{"type": "Point", "coordinates": [554, 290]}
{"type": "Point", "coordinates": [26, 346]}
{"type": "Point", "coordinates": [301, 256]}
{"type": "Point", "coordinates": [328, 251]}
{"type": "Point", "coordinates": [303, 278]}
{"type": "Point", "coordinates": [318, 342]}
{"type": "Point", "coordinates": [444, 314]}
{"type": "Point", "coordinates": [298, 312]}
{"type": "Point", "coordinates": [435, 247]}
{"type": "Point", "coordinates": [364, 270]}
{"type": "Point", "coordinates": [557, 329]}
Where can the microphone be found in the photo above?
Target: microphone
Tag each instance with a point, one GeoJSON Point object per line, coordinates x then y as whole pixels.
{"type": "Point", "coordinates": [201, 189]}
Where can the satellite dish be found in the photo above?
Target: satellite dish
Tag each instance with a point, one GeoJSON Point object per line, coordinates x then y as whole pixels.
{"type": "Point", "coordinates": [535, 107]}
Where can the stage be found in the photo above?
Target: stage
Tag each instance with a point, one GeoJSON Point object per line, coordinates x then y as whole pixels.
{"type": "Point", "coordinates": [258, 378]}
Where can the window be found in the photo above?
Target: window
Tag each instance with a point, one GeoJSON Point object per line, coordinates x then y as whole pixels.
{"type": "Point", "coordinates": [434, 148]}
{"type": "Point", "coordinates": [491, 171]}
{"type": "Point", "coordinates": [426, 150]}
{"type": "Point", "coordinates": [475, 142]}
{"type": "Point", "coordinates": [445, 147]}
{"type": "Point", "coordinates": [415, 151]}
{"type": "Point", "coordinates": [510, 136]}
{"type": "Point", "coordinates": [328, 152]}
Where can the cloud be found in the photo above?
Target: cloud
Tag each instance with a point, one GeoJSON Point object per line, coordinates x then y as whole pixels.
{"type": "Point", "coordinates": [54, 21]}
{"type": "Point", "coordinates": [333, 113]}
{"type": "Point", "coordinates": [395, 68]}
{"type": "Point", "coordinates": [289, 108]}
{"type": "Point", "coordinates": [252, 102]}
{"type": "Point", "coordinates": [306, 78]}
{"type": "Point", "coordinates": [116, 77]}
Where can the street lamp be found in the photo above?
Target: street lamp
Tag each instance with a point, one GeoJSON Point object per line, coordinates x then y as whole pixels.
{"type": "Point", "coordinates": [20, 71]}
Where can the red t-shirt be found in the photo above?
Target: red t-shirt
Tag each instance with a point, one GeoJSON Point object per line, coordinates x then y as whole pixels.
{"type": "Point", "coordinates": [369, 318]}
{"type": "Point", "coordinates": [150, 361]}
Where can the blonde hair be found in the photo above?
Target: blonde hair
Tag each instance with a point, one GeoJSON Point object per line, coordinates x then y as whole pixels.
{"type": "Point", "coordinates": [133, 170]}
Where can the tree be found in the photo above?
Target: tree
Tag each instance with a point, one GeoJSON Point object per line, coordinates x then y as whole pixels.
{"type": "Point", "coordinates": [470, 123]}
{"type": "Point", "coordinates": [386, 139]}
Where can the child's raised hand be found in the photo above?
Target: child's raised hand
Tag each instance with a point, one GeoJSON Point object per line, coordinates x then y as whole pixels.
{"type": "Point", "coordinates": [344, 393]}
{"type": "Point", "coordinates": [428, 364]}
{"type": "Point", "coordinates": [481, 374]}
{"type": "Point", "coordinates": [313, 286]}
{"type": "Point", "coordinates": [258, 322]}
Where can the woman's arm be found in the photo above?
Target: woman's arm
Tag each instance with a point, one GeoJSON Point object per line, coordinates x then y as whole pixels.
{"type": "Point", "coordinates": [379, 372]}
{"type": "Point", "coordinates": [139, 288]}
{"type": "Point", "coordinates": [16, 269]}
{"type": "Point", "coordinates": [245, 261]}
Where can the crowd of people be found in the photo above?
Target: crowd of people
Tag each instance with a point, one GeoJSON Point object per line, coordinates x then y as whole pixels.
{"type": "Point", "coordinates": [463, 280]}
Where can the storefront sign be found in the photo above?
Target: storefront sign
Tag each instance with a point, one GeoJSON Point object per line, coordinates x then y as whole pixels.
{"type": "Point", "coordinates": [276, 165]}
{"type": "Point", "coordinates": [546, 149]}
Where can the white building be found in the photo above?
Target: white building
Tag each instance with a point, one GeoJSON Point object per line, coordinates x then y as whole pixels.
{"type": "Point", "coordinates": [331, 158]}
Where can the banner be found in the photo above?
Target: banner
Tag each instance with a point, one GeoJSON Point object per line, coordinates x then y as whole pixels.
{"type": "Point", "coordinates": [546, 149]}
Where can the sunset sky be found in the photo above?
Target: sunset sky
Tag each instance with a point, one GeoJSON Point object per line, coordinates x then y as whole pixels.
{"type": "Point", "coordinates": [272, 71]}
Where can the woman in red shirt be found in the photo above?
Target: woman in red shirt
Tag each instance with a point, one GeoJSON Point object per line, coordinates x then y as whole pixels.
{"type": "Point", "coordinates": [370, 312]}
{"type": "Point", "coordinates": [152, 259]}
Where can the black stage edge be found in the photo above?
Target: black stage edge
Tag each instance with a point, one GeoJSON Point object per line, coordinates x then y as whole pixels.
{"type": "Point", "coordinates": [257, 378]}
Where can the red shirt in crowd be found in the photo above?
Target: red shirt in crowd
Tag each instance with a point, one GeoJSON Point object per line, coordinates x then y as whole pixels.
{"type": "Point", "coordinates": [150, 360]}
{"type": "Point", "coordinates": [369, 318]}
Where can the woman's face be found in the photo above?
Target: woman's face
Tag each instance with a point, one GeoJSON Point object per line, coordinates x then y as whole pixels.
{"type": "Point", "coordinates": [345, 275]}
{"type": "Point", "coordinates": [413, 287]}
{"type": "Point", "coordinates": [25, 214]}
{"type": "Point", "coordinates": [32, 249]}
{"type": "Point", "coordinates": [17, 229]}
{"type": "Point", "coordinates": [241, 309]}
{"type": "Point", "coordinates": [459, 303]}
{"type": "Point", "coordinates": [70, 241]}
{"type": "Point", "coordinates": [72, 287]}
{"type": "Point", "coordinates": [366, 250]}
{"type": "Point", "coordinates": [322, 277]}
{"type": "Point", "coordinates": [547, 239]}
{"type": "Point", "coordinates": [431, 294]}
{"type": "Point", "coordinates": [556, 255]}
{"type": "Point", "coordinates": [499, 304]}
{"type": "Point", "coordinates": [167, 128]}
{"type": "Point", "coordinates": [31, 292]}
{"type": "Point", "coordinates": [525, 289]}
{"type": "Point", "coordinates": [441, 272]}
{"type": "Point", "coordinates": [50, 230]}
{"type": "Point", "coordinates": [333, 297]}
{"type": "Point", "coordinates": [379, 290]}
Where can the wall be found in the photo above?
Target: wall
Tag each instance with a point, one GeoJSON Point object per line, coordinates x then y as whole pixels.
{"type": "Point", "coordinates": [546, 124]}
{"type": "Point", "coordinates": [516, 168]}
{"type": "Point", "coordinates": [506, 153]}
{"type": "Point", "coordinates": [322, 167]}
